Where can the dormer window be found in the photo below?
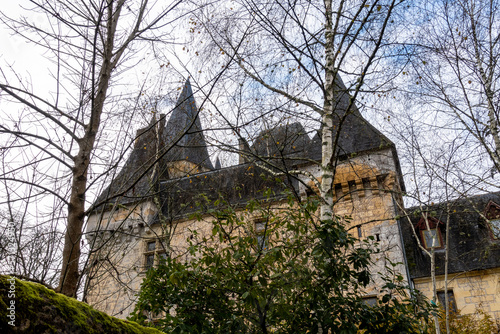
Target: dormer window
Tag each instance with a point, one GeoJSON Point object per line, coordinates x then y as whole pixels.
{"type": "Point", "coordinates": [432, 238]}
{"type": "Point", "coordinates": [430, 232]}
{"type": "Point", "coordinates": [495, 228]}
{"type": "Point", "coordinates": [492, 214]}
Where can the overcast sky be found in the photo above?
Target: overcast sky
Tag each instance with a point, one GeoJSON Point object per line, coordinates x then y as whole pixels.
{"type": "Point", "coordinates": [25, 57]}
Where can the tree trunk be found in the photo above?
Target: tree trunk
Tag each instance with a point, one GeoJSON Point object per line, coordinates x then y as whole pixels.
{"type": "Point", "coordinates": [70, 276]}
{"type": "Point", "coordinates": [327, 150]}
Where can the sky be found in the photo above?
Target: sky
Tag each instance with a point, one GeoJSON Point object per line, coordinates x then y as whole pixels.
{"type": "Point", "coordinates": [30, 65]}
{"type": "Point", "coordinates": [25, 57]}
{"type": "Point", "coordinates": [30, 62]}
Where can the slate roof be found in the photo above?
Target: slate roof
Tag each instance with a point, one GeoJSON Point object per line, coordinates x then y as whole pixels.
{"type": "Point", "coordinates": [184, 132]}
{"type": "Point", "coordinates": [217, 164]}
{"type": "Point", "coordinates": [356, 134]}
{"type": "Point", "coordinates": [139, 174]}
{"type": "Point", "coordinates": [287, 143]}
{"type": "Point", "coordinates": [471, 245]}
{"type": "Point", "coordinates": [180, 139]}
{"type": "Point", "coordinates": [235, 185]}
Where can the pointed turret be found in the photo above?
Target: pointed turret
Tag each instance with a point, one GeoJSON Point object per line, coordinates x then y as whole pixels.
{"type": "Point", "coordinates": [356, 133]}
{"type": "Point", "coordinates": [162, 152]}
{"type": "Point", "coordinates": [184, 135]}
{"type": "Point", "coordinates": [244, 155]}
{"type": "Point", "coordinates": [217, 164]}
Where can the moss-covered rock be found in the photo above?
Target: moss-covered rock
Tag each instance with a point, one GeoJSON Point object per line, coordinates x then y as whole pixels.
{"type": "Point", "coordinates": [33, 308]}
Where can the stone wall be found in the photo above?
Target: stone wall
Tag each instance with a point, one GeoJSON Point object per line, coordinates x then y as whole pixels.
{"type": "Point", "coordinates": [117, 266]}
{"type": "Point", "coordinates": [367, 190]}
{"type": "Point", "coordinates": [472, 290]}
{"type": "Point", "coordinates": [368, 196]}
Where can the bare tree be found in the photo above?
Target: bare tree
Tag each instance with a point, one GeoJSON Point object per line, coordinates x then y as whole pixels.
{"type": "Point", "coordinates": [29, 248]}
{"type": "Point", "coordinates": [90, 44]}
{"type": "Point", "coordinates": [455, 71]}
{"type": "Point", "coordinates": [29, 251]}
{"type": "Point", "coordinates": [297, 52]}
{"type": "Point", "coordinates": [451, 128]}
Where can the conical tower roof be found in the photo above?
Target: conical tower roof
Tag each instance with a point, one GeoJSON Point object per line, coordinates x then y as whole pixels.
{"type": "Point", "coordinates": [218, 164]}
{"type": "Point", "coordinates": [156, 145]}
{"type": "Point", "coordinates": [184, 135]}
{"type": "Point", "coordinates": [356, 135]}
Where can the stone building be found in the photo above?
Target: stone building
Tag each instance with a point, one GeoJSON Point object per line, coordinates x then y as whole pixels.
{"type": "Point", "coordinates": [144, 214]}
{"type": "Point", "coordinates": [474, 252]}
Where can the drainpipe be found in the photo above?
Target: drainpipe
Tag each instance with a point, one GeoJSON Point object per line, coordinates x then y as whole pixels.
{"type": "Point", "coordinates": [405, 261]}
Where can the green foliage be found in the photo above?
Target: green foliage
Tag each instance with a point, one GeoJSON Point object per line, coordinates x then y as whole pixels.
{"type": "Point", "coordinates": [477, 323]}
{"type": "Point", "coordinates": [307, 278]}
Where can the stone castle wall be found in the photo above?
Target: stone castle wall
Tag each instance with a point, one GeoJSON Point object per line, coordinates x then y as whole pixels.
{"type": "Point", "coordinates": [472, 290]}
{"type": "Point", "coordinates": [366, 192]}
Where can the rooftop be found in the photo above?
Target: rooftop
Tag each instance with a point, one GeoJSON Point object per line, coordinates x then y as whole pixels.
{"type": "Point", "coordinates": [471, 246]}
{"type": "Point", "coordinates": [182, 138]}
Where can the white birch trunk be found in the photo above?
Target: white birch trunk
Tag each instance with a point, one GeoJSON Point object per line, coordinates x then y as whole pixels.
{"type": "Point", "coordinates": [327, 149]}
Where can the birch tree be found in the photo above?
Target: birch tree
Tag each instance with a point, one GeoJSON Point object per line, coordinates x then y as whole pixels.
{"type": "Point", "coordinates": [451, 127]}
{"type": "Point", "coordinates": [302, 52]}
{"type": "Point", "coordinates": [455, 70]}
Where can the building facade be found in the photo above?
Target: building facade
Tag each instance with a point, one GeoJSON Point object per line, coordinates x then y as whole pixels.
{"type": "Point", "coordinates": [145, 212]}
{"type": "Point", "coordinates": [473, 239]}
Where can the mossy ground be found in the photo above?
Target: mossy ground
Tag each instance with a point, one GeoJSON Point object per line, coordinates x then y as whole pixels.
{"type": "Point", "coordinates": [40, 310]}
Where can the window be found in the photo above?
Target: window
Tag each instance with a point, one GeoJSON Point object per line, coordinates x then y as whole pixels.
{"type": "Point", "coordinates": [495, 228]}
{"type": "Point", "coordinates": [154, 252]}
{"type": "Point", "coordinates": [260, 231]}
{"type": "Point", "coordinates": [430, 232]}
{"type": "Point", "coordinates": [432, 238]}
{"type": "Point", "coordinates": [451, 300]}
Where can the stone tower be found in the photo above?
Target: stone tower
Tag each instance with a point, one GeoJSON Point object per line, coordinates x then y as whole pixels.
{"type": "Point", "coordinates": [368, 180]}
{"type": "Point", "coordinates": [126, 212]}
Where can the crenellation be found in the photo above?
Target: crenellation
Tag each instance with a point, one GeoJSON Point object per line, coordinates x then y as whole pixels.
{"type": "Point", "coordinates": [347, 195]}
{"type": "Point", "coordinates": [374, 185]}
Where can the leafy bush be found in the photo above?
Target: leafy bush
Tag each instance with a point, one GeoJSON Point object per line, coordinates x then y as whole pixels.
{"type": "Point", "coordinates": [477, 323]}
{"type": "Point", "coordinates": [307, 276]}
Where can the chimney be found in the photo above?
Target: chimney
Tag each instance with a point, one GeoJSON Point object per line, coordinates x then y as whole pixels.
{"type": "Point", "coordinates": [244, 150]}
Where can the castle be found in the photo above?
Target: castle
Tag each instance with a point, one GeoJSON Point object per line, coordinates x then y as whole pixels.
{"type": "Point", "coordinates": [144, 214]}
